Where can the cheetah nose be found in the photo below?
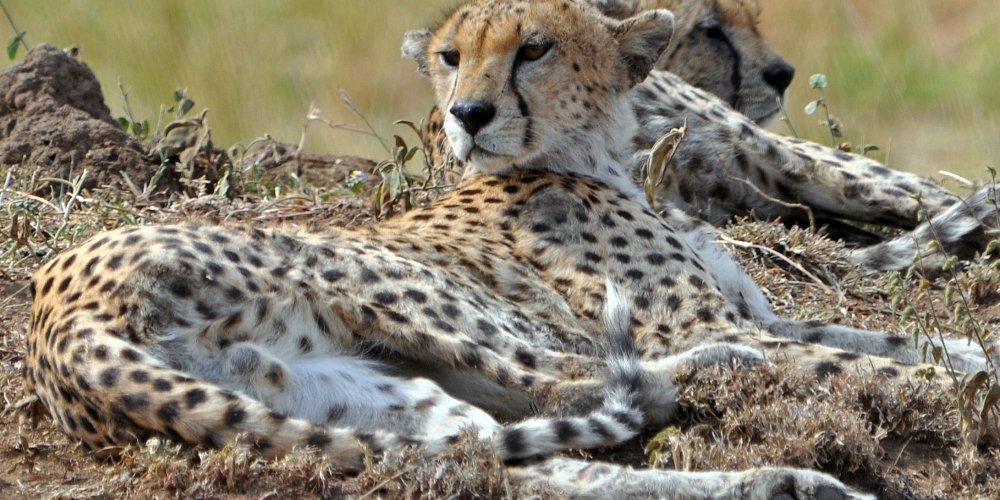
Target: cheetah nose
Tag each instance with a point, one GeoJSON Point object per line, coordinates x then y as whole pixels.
{"type": "Point", "coordinates": [778, 75]}
{"type": "Point", "coordinates": [474, 115]}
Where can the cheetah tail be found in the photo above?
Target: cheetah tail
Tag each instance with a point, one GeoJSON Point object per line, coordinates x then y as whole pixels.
{"type": "Point", "coordinates": [619, 418]}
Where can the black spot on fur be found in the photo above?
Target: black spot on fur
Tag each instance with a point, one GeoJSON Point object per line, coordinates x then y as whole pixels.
{"type": "Point", "coordinates": [318, 439]}
{"type": "Point", "coordinates": [486, 327]}
{"type": "Point", "coordinates": [896, 341]}
{"type": "Point", "coordinates": [513, 442]}
{"type": "Point", "coordinates": [168, 412]}
{"type": "Point", "coordinates": [451, 311]}
{"type": "Point", "coordinates": [525, 357]}
{"type": "Point", "coordinates": [827, 368]}
{"type": "Point", "coordinates": [195, 397]}
{"type": "Point", "coordinates": [814, 337]}
{"type": "Point", "coordinates": [416, 296]}
{"type": "Point", "coordinates": [305, 345]}
{"type": "Point", "coordinates": [235, 415]}
{"type": "Point", "coordinates": [333, 275]}
{"type": "Point", "coordinates": [180, 288]}
{"type": "Point", "coordinates": [565, 431]}
{"type": "Point", "coordinates": [135, 401]}
{"type": "Point", "coordinates": [115, 261]}
{"type": "Point", "coordinates": [109, 377]}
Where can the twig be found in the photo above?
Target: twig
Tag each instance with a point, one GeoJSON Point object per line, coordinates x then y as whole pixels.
{"type": "Point", "coordinates": [745, 244]}
{"type": "Point", "coordinates": [314, 116]}
{"type": "Point", "coordinates": [354, 108]}
{"type": "Point", "coordinates": [6, 184]}
{"type": "Point", "coordinates": [808, 211]}
{"type": "Point", "coordinates": [785, 118]}
{"type": "Point", "coordinates": [383, 483]}
{"type": "Point", "coordinates": [68, 208]}
{"type": "Point", "coordinates": [787, 204]}
{"type": "Point", "coordinates": [13, 295]}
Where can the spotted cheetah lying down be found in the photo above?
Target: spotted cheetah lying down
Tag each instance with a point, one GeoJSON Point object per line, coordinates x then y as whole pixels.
{"type": "Point", "coordinates": [532, 285]}
{"type": "Point", "coordinates": [720, 79]}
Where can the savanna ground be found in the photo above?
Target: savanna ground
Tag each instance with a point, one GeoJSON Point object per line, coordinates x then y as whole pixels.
{"type": "Point", "coordinates": [916, 78]}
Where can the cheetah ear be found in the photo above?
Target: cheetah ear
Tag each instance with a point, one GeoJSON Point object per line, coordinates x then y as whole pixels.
{"type": "Point", "coordinates": [415, 45]}
{"type": "Point", "coordinates": [641, 40]}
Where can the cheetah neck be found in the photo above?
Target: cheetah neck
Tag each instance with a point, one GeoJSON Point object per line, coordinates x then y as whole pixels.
{"type": "Point", "coordinates": [600, 150]}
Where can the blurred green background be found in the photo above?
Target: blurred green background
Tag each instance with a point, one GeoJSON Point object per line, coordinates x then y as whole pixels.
{"type": "Point", "coordinates": [919, 78]}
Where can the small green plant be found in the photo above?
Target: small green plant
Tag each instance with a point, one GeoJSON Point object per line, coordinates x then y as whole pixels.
{"type": "Point", "coordinates": [140, 129]}
{"type": "Point", "coordinates": [400, 184]}
{"type": "Point", "coordinates": [832, 124]}
{"type": "Point", "coordinates": [182, 103]}
{"type": "Point", "coordinates": [818, 82]}
{"type": "Point", "coordinates": [17, 39]}
{"type": "Point", "coordinates": [785, 118]}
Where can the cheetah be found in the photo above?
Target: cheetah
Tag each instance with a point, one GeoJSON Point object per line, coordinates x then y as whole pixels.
{"type": "Point", "coordinates": [543, 282]}
{"type": "Point", "coordinates": [721, 80]}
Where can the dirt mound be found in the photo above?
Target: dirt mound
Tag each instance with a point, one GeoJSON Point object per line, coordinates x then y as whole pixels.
{"type": "Point", "coordinates": [53, 118]}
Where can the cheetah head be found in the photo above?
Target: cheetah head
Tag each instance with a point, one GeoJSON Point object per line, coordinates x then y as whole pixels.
{"type": "Point", "coordinates": [539, 83]}
{"type": "Point", "coordinates": [716, 47]}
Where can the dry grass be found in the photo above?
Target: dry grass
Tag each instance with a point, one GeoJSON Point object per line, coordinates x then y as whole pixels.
{"type": "Point", "coordinates": [902, 441]}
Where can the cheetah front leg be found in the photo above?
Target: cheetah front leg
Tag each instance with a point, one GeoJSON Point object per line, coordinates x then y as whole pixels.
{"type": "Point", "coordinates": [727, 165]}
{"type": "Point", "coordinates": [581, 480]}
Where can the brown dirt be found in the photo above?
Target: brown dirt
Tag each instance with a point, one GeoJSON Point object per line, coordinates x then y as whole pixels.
{"type": "Point", "coordinates": [53, 119]}
{"type": "Point", "coordinates": [54, 122]}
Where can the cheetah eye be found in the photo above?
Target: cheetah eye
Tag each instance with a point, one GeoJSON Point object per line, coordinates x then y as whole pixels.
{"type": "Point", "coordinates": [451, 58]}
{"type": "Point", "coordinates": [714, 33]}
{"type": "Point", "coordinates": [533, 51]}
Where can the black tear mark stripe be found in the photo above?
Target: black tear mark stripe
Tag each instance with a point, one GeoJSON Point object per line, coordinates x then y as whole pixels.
{"type": "Point", "coordinates": [522, 105]}
{"type": "Point", "coordinates": [736, 76]}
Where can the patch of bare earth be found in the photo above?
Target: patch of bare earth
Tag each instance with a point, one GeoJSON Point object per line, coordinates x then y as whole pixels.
{"type": "Point", "coordinates": [900, 441]}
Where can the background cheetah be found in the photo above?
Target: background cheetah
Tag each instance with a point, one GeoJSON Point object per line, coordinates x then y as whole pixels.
{"type": "Point", "coordinates": [497, 291]}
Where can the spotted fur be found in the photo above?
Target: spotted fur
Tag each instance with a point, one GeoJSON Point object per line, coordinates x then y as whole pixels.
{"type": "Point", "coordinates": [720, 79]}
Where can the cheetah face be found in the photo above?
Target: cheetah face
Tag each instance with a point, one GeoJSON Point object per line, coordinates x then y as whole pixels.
{"type": "Point", "coordinates": [718, 49]}
{"type": "Point", "coordinates": [534, 84]}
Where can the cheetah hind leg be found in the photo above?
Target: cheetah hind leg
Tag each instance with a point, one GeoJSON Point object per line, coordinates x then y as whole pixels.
{"type": "Point", "coordinates": [591, 480]}
{"type": "Point", "coordinates": [750, 301]}
{"type": "Point", "coordinates": [348, 392]}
